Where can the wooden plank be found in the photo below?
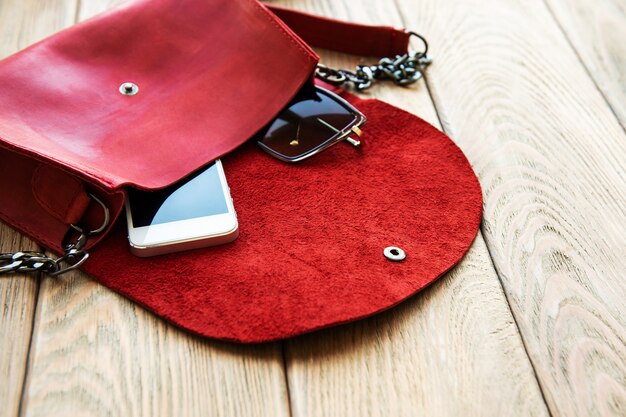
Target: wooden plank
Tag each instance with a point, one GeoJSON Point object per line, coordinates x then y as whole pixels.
{"type": "Point", "coordinates": [551, 157]}
{"type": "Point", "coordinates": [597, 30]}
{"type": "Point", "coordinates": [22, 22]}
{"type": "Point", "coordinates": [18, 298]}
{"type": "Point", "coordinates": [89, 8]}
{"type": "Point", "coordinates": [452, 351]}
{"type": "Point", "coordinates": [95, 353]}
{"type": "Point", "coordinates": [455, 350]}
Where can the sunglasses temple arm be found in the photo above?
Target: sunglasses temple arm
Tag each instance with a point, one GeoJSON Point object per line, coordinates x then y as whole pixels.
{"type": "Point", "coordinates": [353, 142]}
{"type": "Point", "coordinates": [288, 114]}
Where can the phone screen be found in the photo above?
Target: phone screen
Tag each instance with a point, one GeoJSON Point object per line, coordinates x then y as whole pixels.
{"type": "Point", "coordinates": [198, 196]}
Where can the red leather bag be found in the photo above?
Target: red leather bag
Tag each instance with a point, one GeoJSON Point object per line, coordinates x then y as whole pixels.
{"type": "Point", "coordinates": [211, 74]}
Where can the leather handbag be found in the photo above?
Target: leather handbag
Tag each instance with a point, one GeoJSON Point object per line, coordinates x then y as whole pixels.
{"type": "Point", "coordinates": [150, 92]}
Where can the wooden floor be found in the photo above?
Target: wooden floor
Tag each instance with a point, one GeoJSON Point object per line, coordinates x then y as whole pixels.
{"type": "Point", "coordinates": [531, 323]}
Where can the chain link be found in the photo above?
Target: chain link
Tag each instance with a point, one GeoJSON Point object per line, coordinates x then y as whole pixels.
{"type": "Point", "coordinates": [402, 70]}
{"type": "Point", "coordinates": [40, 262]}
{"type": "Point", "coordinates": [74, 256]}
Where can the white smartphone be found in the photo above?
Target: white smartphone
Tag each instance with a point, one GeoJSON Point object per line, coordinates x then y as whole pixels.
{"type": "Point", "coordinates": [193, 213]}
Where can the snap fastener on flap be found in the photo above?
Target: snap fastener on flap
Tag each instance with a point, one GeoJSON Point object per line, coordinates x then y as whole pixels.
{"type": "Point", "coordinates": [394, 253]}
{"type": "Point", "coordinates": [129, 89]}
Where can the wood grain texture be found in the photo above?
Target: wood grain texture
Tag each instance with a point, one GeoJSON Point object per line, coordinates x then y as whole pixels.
{"type": "Point", "coordinates": [24, 22]}
{"type": "Point", "coordinates": [18, 296]}
{"type": "Point", "coordinates": [454, 350]}
{"type": "Point", "coordinates": [90, 8]}
{"type": "Point", "coordinates": [21, 23]}
{"type": "Point", "coordinates": [551, 157]}
{"type": "Point", "coordinates": [95, 353]}
{"type": "Point", "coordinates": [597, 31]}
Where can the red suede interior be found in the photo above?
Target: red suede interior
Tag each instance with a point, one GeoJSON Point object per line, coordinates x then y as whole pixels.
{"type": "Point", "coordinates": [312, 234]}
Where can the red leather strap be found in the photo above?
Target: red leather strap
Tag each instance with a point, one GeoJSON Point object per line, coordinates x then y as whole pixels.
{"type": "Point", "coordinates": [351, 38]}
{"type": "Point", "coordinates": [62, 195]}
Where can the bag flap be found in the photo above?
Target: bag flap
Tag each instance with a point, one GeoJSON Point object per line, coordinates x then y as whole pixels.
{"type": "Point", "coordinates": [210, 74]}
{"type": "Point", "coordinates": [310, 251]}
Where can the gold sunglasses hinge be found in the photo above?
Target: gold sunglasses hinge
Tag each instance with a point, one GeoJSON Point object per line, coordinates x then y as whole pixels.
{"type": "Point", "coordinates": [357, 132]}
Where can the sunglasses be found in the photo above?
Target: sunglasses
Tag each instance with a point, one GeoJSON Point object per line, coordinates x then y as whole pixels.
{"type": "Point", "coordinates": [313, 121]}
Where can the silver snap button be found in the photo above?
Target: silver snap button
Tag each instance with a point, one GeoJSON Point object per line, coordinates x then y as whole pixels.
{"type": "Point", "coordinates": [129, 89]}
{"type": "Point", "coordinates": [394, 253]}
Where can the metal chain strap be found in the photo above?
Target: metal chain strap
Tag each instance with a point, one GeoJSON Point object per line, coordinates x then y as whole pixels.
{"type": "Point", "coordinates": [74, 256]}
{"type": "Point", "coordinates": [402, 70]}
{"type": "Point", "coordinates": [40, 262]}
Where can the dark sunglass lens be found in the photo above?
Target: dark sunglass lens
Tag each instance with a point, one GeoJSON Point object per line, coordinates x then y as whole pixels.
{"type": "Point", "coordinates": [309, 121]}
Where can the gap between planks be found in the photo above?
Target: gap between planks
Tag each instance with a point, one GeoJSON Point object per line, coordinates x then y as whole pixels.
{"type": "Point", "coordinates": [21, 24]}
{"type": "Point", "coordinates": [601, 51]}
{"type": "Point", "coordinates": [574, 270]}
{"type": "Point", "coordinates": [74, 332]}
{"type": "Point", "coordinates": [325, 404]}
{"type": "Point", "coordinates": [482, 232]}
